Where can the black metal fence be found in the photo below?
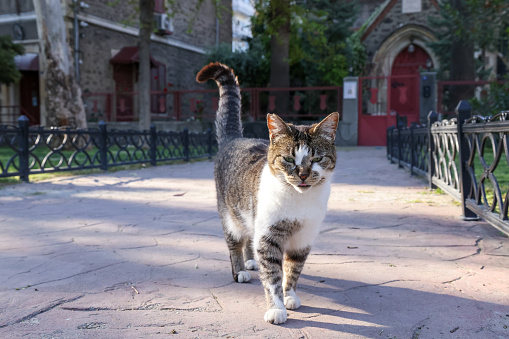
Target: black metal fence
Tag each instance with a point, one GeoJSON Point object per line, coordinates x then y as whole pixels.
{"type": "Point", "coordinates": [25, 150]}
{"type": "Point", "coordinates": [467, 157]}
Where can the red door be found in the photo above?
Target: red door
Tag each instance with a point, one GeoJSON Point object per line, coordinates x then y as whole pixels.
{"type": "Point", "coordinates": [404, 96]}
{"type": "Point", "coordinates": [374, 111]}
{"type": "Point", "coordinates": [404, 82]}
{"type": "Point", "coordinates": [381, 98]}
{"type": "Point", "coordinates": [123, 75]}
{"type": "Point", "coordinates": [29, 96]}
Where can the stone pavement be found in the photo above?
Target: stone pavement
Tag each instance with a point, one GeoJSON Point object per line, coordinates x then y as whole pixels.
{"type": "Point", "coordinates": [140, 253]}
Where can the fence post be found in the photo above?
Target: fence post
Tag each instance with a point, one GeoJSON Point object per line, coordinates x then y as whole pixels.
{"type": "Point", "coordinates": [432, 118]}
{"type": "Point", "coordinates": [464, 111]}
{"type": "Point", "coordinates": [399, 147]}
{"type": "Point", "coordinates": [389, 143]}
{"type": "Point", "coordinates": [23, 143]}
{"type": "Point", "coordinates": [412, 147]}
{"type": "Point", "coordinates": [256, 95]}
{"type": "Point", "coordinates": [103, 146]}
{"type": "Point", "coordinates": [176, 105]}
{"type": "Point", "coordinates": [209, 142]}
{"type": "Point", "coordinates": [153, 145]}
{"type": "Point", "coordinates": [186, 144]}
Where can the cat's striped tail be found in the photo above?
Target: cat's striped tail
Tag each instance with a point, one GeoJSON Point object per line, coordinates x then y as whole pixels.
{"type": "Point", "coordinates": [228, 124]}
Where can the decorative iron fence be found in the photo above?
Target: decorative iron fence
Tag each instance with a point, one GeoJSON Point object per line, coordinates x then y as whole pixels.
{"type": "Point", "coordinates": [26, 150]}
{"type": "Point", "coordinates": [466, 156]}
{"type": "Point", "coordinates": [408, 146]}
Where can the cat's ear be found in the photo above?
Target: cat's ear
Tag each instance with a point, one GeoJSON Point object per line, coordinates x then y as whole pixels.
{"type": "Point", "coordinates": [277, 127]}
{"type": "Point", "coordinates": [327, 127]}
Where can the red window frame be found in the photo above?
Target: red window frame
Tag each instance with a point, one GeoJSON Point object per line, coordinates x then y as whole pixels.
{"type": "Point", "coordinates": [159, 6]}
{"type": "Point", "coordinates": [157, 85]}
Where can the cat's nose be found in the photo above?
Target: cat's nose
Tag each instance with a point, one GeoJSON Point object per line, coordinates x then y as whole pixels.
{"type": "Point", "coordinates": [303, 176]}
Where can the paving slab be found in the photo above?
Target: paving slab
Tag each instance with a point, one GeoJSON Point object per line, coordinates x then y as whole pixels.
{"type": "Point", "coordinates": [140, 253]}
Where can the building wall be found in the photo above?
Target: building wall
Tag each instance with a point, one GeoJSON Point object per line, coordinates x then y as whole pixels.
{"type": "Point", "coordinates": [192, 23]}
{"type": "Point", "coordinates": [110, 28]}
{"type": "Point", "coordinates": [396, 19]}
{"type": "Point", "coordinates": [243, 10]}
{"type": "Point", "coordinates": [365, 9]}
{"type": "Point", "coordinates": [25, 21]}
{"type": "Point", "coordinates": [100, 44]}
{"type": "Point", "coordinates": [11, 6]}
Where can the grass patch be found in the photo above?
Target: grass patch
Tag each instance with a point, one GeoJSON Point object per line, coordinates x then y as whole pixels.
{"type": "Point", "coordinates": [436, 191]}
{"type": "Point", "coordinates": [420, 201]}
{"type": "Point", "coordinates": [37, 193]}
{"type": "Point", "coordinates": [8, 181]}
{"type": "Point", "coordinates": [415, 201]}
{"type": "Point", "coordinates": [440, 191]}
{"type": "Point", "coordinates": [501, 173]}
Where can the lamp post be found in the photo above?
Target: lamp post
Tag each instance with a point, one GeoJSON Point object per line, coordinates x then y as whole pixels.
{"type": "Point", "coordinates": [428, 64]}
{"type": "Point", "coordinates": [76, 7]}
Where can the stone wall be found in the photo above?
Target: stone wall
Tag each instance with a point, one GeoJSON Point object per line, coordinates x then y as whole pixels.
{"type": "Point", "coordinates": [10, 7]}
{"type": "Point", "coordinates": [191, 25]}
{"type": "Point", "coordinates": [394, 20]}
{"type": "Point", "coordinates": [99, 44]}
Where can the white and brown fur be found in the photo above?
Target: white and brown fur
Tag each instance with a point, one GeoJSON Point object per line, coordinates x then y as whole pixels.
{"type": "Point", "coordinates": [271, 195]}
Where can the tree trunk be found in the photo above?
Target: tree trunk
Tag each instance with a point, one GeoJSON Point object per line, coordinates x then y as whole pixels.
{"type": "Point", "coordinates": [63, 101]}
{"type": "Point", "coordinates": [146, 26]}
{"type": "Point", "coordinates": [279, 55]}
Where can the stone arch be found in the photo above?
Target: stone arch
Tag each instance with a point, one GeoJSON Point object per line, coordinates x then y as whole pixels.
{"type": "Point", "coordinates": [396, 42]}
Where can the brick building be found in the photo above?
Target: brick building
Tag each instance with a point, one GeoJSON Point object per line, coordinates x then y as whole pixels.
{"type": "Point", "coordinates": [391, 27]}
{"type": "Point", "coordinates": [243, 10]}
{"type": "Point", "coordinates": [105, 50]}
{"type": "Point", "coordinates": [395, 34]}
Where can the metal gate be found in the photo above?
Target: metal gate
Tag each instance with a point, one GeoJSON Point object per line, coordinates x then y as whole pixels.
{"type": "Point", "coordinates": [381, 101]}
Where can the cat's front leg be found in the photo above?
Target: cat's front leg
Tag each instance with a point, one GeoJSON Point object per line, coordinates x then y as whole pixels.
{"type": "Point", "coordinates": [270, 258]}
{"type": "Point", "coordinates": [293, 265]}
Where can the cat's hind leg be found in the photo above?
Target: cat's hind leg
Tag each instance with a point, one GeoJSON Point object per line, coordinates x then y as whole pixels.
{"type": "Point", "coordinates": [293, 265]}
{"type": "Point", "coordinates": [249, 259]}
{"type": "Point", "coordinates": [235, 247]}
{"type": "Point", "coordinates": [235, 237]}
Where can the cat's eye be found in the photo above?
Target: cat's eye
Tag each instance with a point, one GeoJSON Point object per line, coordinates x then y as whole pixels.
{"type": "Point", "coordinates": [290, 160]}
{"type": "Point", "coordinates": [317, 159]}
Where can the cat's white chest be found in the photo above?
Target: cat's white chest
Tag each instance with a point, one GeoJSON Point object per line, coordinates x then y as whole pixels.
{"type": "Point", "coordinates": [278, 201]}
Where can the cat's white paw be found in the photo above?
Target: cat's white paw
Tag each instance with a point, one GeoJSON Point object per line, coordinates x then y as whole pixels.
{"type": "Point", "coordinates": [243, 277]}
{"type": "Point", "coordinates": [275, 316]}
{"type": "Point", "coordinates": [292, 302]}
{"type": "Point", "coordinates": [251, 265]}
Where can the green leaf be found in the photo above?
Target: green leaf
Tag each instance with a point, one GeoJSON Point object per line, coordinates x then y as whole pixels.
{"type": "Point", "coordinates": [8, 50]}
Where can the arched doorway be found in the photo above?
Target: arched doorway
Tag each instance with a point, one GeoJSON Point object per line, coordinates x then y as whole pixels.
{"type": "Point", "coordinates": [404, 81]}
{"type": "Point", "coordinates": [393, 83]}
{"type": "Point", "coordinates": [411, 60]}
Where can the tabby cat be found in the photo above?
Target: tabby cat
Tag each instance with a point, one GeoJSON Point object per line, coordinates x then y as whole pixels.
{"type": "Point", "coordinates": [271, 195]}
